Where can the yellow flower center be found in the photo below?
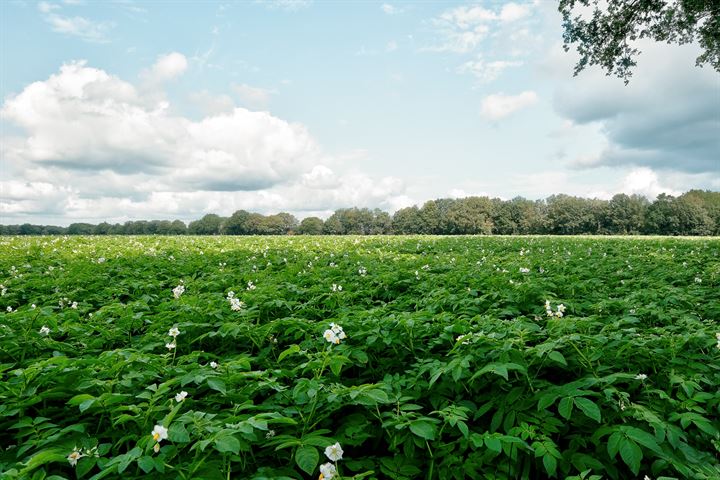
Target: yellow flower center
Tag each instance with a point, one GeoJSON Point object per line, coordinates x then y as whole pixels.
{"type": "Point", "coordinates": [156, 436]}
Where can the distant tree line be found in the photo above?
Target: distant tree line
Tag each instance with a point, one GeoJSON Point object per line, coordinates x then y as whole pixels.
{"type": "Point", "coordinates": [693, 213]}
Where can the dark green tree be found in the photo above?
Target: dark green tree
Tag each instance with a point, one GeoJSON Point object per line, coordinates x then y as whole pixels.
{"type": "Point", "coordinates": [311, 226]}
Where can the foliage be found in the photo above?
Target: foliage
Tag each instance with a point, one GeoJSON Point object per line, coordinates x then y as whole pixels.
{"type": "Point", "coordinates": [606, 36]}
{"type": "Point", "coordinates": [693, 213]}
{"type": "Point", "coordinates": [423, 357]}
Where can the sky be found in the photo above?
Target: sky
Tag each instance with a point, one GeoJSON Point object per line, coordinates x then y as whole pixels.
{"type": "Point", "coordinates": [124, 110]}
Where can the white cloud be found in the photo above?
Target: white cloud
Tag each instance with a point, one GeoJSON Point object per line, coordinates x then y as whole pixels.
{"type": "Point", "coordinates": [391, 46]}
{"type": "Point", "coordinates": [253, 97]}
{"type": "Point", "coordinates": [96, 147]}
{"type": "Point", "coordinates": [211, 104]}
{"type": "Point", "coordinates": [166, 68]}
{"type": "Point", "coordinates": [512, 12]}
{"type": "Point", "coordinates": [497, 106]}
{"type": "Point", "coordinates": [77, 26]}
{"type": "Point", "coordinates": [463, 28]}
{"type": "Point", "coordinates": [644, 181]}
{"type": "Point", "coordinates": [487, 72]}
{"type": "Point", "coordinates": [46, 7]}
{"type": "Point", "coordinates": [390, 9]}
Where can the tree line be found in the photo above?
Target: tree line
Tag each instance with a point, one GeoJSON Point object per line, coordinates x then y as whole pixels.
{"type": "Point", "coordinates": [696, 212]}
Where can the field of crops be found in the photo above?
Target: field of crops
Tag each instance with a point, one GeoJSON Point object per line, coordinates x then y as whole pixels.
{"type": "Point", "coordinates": [359, 357]}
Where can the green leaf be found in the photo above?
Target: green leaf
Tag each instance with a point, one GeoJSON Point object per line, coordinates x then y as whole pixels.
{"type": "Point", "coordinates": [643, 438]}
{"type": "Point", "coordinates": [550, 464]}
{"type": "Point", "coordinates": [631, 455]}
{"type": "Point", "coordinates": [546, 400]}
{"type": "Point", "coordinates": [496, 368]}
{"type": "Point", "coordinates": [288, 351]}
{"type": "Point", "coordinates": [177, 433]}
{"type": "Point", "coordinates": [494, 444]}
{"type": "Point", "coordinates": [217, 384]}
{"type": "Point", "coordinates": [146, 463]}
{"type": "Point", "coordinates": [565, 407]}
{"type": "Point", "coordinates": [614, 444]}
{"type": "Point", "coordinates": [423, 429]}
{"type": "Point", "coordinates": [588, 407]}
{"type": "Point", "coordinates": [557, 357]}
{"type": "Point", "coordinates": [307, 458]}
{"type": "Point", "coordinates": [227, 444]}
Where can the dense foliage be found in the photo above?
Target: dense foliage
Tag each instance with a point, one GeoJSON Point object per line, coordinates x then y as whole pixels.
{"type": "Point", "coordinates": [693, 213]}
{"type": "Point", "coordinates": [606, 34]}
{"type": "Point", "coordinates": [376, 357]}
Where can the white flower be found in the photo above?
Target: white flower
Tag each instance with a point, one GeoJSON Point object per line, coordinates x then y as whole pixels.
{"type": "Point", "coordinates": [236, 305]}
{"type": "Point", "coordinates": [230, 295]}
{"type": "Point", "coordinates": [179, 290]}
{"type": "Point", "coordinates": [156, 447]}
{"type": "Point", "coordinates": [327, 471]}
{"type": "Point", "coordinates": [336, 288]}
{"type": "Point", "coordinates": [44, 331]}
{"type": "Point", "coordinates": [561, 308]}
{"type": "Point", "coordinates": [331, 336]}
{"type": "Point", "coordinates": [251, 286]}
{"type": "Point", "coordinates": [159, 433]}
{"type": "Point", "coordinates": [74, 305]}
{"type": "Point", "coordinates": [9, 309]}
{"type": "Point", "coordinates": [524, 270]}
{"type": "Point", "coordinates": [717, 335]}
{"type": "Point", "coordinates": [33, 306]}
{"type": "Point", "coordinates": [170, 345]}
{"type": "Point", "coordinates": [3, 290]}
{"type": "Point", "coordinates": [362, 271]}
{"type": "Point", "coordinates": [174, 332]}
{"type": "Point", "coordinates": [334, 452]}
{"type": "Point", "coordinates": [213, 364]}
{"type": "Point", "coordinates": [181, 396]}
{"type": "Point", "coordinates": [646, 478]}
{"type": "Point", "coordinates": [640, 376]}
{"type": "Point", "coordinates": [74, 456]}
{"type": "Point", "coordinates": [270, 434]}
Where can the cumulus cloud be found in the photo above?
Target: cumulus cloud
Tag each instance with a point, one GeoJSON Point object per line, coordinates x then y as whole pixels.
{"type": "Point", "coordinates": [666, 118]}
{"type": "Point", "coordinates": [96, 147]}
{"type": "Point", "coordinates": [211, 104]}
{"type": "Point", "coordinates": [166, 68]}
{"type": "Point", "coordinates": [498, 106]}
{"type": "Point", "coordinates": [643, 181]}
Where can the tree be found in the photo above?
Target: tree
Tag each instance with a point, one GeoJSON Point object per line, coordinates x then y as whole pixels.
{"type": "Point", "coordinates": [311, 226]}
{"type": "Point", "coordinates": [606, 38]}
{"type": "Point", "coordinates": [209, 224]}
{"type": "Point", "coordinates": [237, 223]}
{"type": "Point", "coordinates": [626, 214]}
{"type": "Point", "coordinates": [407, 221]}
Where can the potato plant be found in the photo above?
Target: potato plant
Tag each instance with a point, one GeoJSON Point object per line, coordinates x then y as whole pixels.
{"type": "Point", "coordinates": [359, 357]}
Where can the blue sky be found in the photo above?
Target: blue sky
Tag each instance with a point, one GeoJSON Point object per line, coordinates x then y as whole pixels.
{"type": "Point", "coordinates": [122, 110]}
